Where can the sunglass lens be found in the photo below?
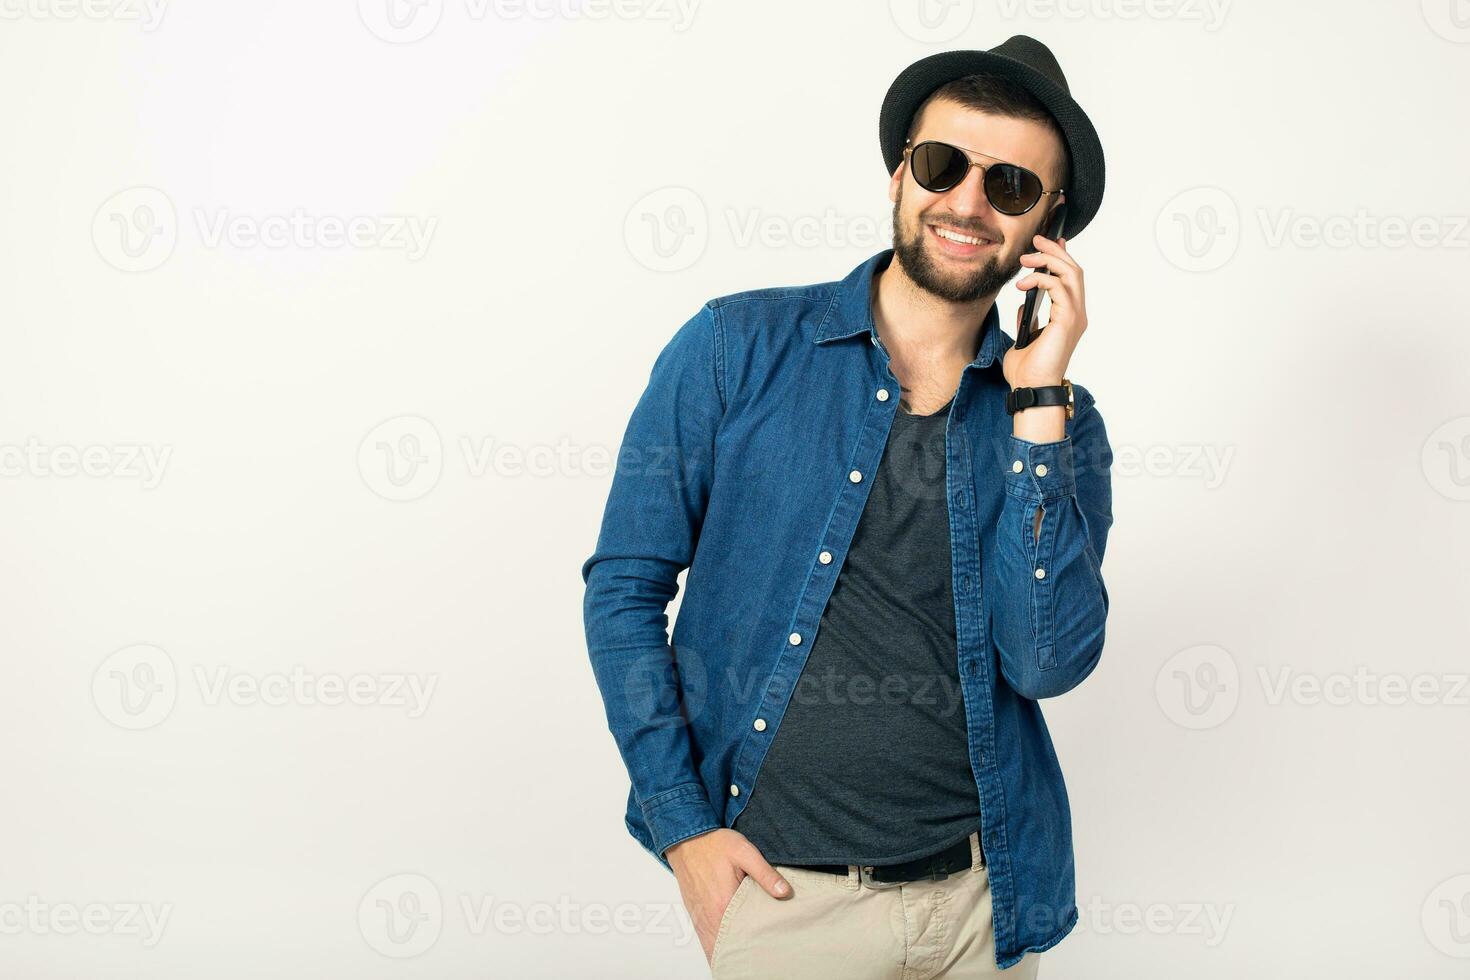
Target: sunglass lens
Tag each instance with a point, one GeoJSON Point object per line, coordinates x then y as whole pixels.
{"type": "Point", "coordinates": [1011, 189]}
{"type": "Point", "coordinates": [938, 166]}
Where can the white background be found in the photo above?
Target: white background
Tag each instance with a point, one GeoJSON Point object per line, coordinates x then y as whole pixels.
{"type": "Point", "coordinates": [385, 461]}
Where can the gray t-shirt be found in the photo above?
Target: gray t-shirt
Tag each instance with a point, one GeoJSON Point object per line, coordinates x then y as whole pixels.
{"type": "Point", "coordinates": [871, 763]}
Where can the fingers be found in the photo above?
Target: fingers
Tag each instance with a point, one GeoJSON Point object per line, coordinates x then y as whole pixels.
{"type": "Point", "coordinates": [1058, 247]}
{"type": "Point", "coordinates": [1051, 254]}
{"type": "Point", "coordinates": [1066, 304]}
{"type": "Point", "coordinates": [766, 876]}
{"type": "Point", "coordinates": [1045, 281]}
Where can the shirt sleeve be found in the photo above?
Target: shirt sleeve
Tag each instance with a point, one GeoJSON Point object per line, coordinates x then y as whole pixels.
{"type": "Point", "coordinates": [1050, 604]}
{"type": "Point", "coordinates": [650, 528]}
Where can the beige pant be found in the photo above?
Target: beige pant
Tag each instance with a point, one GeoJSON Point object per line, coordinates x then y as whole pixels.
{"type": "Point", "coordinates": [834, 928]}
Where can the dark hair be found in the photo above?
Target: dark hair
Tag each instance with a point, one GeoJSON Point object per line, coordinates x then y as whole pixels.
{"type": "Point", "coordinates": [997, 96]}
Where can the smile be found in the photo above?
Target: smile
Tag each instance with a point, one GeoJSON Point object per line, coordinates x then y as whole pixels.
{"type": "Point", "coordinates": [958, 243]}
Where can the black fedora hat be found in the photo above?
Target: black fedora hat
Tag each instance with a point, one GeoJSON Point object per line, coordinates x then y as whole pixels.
{"type": "Point", "coordinates": [1027, 62]}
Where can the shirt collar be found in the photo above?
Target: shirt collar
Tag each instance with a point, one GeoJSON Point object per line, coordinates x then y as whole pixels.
{"type": "Point", "coordinates": [851, 313]}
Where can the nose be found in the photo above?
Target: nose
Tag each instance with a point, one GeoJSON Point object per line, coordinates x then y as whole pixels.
{"type": "Point", "coordinates": [967, 198]}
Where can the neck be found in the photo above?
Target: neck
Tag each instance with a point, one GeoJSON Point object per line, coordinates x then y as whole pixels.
{"type": "Point", "coordinates": [917, 326]}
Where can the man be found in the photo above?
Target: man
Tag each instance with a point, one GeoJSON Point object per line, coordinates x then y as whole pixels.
{"type": "Point", "coordinates": [893, 522]}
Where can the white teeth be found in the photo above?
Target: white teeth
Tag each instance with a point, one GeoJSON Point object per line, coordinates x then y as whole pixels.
{"type": "Point", "coordinates": [955, 236]}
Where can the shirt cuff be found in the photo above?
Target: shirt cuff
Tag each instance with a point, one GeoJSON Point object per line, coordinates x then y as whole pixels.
{"type": "Point", "coordinates": [1040, 471]}
{"type": "Point", "coordinates": [678, 814]}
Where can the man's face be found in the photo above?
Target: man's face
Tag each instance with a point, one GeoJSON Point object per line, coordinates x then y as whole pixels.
{"type": "Point", "coordinates": [954, 271]}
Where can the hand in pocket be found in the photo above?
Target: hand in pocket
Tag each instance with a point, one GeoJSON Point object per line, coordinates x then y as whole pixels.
{"type": "Point", "coordinates": [711, 868]}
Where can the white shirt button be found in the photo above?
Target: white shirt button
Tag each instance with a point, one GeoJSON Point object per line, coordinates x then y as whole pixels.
{"type": "Point", "coordinates": [734, 790]}
{"type": "Point", "coordinates": [760, 724]}
{"type": "Point", "coordinates": [882, 394]}
{"type": "Point", "coordinates": [1017, 466]}
{"type": "Point", "coordinates": [855, 476]}
{"type": "Point", "coordinates": [795, 639]}
{"type": "Point", "coordinates": [1041, 469]}
{"type": "Point", "coordinates": [1041, 573]}
{"type": "Point", "coordinates": [825, 558]}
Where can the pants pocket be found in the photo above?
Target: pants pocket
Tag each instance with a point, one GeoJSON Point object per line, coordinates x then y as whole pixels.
{"type": "Point", "coordinates": [731, 907]}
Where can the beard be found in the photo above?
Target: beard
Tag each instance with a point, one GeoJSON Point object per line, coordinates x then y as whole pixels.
{"type": "Point", "coordinates": [924, 269]}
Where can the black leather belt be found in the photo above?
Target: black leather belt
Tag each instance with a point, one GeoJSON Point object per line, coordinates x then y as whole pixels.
{"type": "Point", "coordinates": [934, 867]}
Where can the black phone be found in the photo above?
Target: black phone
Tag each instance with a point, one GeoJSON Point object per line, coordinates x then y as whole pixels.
{"type": "Point", "coordinates": [1027, 331]}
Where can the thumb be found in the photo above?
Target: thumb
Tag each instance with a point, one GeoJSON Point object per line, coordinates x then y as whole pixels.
{"type": "Point", "coordinates": [767, 877]}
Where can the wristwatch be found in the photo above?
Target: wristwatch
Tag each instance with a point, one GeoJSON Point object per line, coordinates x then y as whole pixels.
{"type": "Point", "coordinates": [1020, 399]}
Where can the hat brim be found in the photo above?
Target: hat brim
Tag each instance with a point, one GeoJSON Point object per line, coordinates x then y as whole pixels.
{"type": "Point", "coordinates": [917, 82]}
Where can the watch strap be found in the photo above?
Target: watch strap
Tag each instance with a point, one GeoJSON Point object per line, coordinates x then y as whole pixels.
{"type": "Point", "coordinates": [1020, 399]}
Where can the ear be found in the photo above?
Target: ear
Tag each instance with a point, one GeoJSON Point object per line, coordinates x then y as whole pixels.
{"type": "Point", "coordinates": [1051, 211]}
{"type": "Point", "coordinates": [895, 183]}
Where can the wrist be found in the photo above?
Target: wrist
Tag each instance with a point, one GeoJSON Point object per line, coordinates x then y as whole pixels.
{"type": "Point", "coordinates": [1038, 381]}
{"type": "Point", "coordinates": [676, 851]}
{"type": "Point", "coordinates": [1043, 423]}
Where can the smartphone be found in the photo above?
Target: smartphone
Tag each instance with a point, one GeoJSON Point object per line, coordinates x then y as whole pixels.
{"type": "Point", "coordinates": [1031, 311]}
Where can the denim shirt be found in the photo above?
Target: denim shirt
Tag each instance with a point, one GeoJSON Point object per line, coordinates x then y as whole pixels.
{"type": "Point", "coordinates": [746, 461]}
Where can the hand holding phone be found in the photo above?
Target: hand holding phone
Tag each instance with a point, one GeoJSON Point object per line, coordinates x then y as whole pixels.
{"type": "Point", "coordinates": [1027, 330]}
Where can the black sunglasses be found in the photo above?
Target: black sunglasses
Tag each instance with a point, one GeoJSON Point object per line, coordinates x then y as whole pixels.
{"type": "Point", "coordinates": [938, 167]}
